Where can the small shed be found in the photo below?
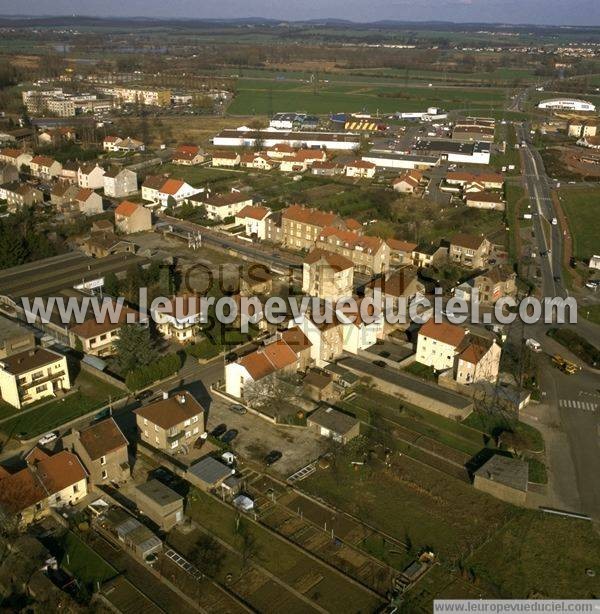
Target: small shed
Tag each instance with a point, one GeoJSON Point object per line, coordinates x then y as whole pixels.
{"type": "Point", "coordinates": [503, 477]}
{"type": "Point", "coordinates": [208, 473]}
{"type": "Point", "coordinates": [161, 504]}
{"type": "Point", "coordinates": [243, 503]}
{"type": "Point", "coordinates": [330, 422]}
{"type": "Point", "coordinates": [318, 386]}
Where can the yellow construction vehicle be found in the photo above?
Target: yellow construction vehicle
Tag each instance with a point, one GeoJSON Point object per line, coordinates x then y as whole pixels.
{"type": "Point", "coordinates": [566, 366]}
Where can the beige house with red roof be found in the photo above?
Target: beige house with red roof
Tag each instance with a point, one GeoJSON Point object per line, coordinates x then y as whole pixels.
{"type": "Point", "coordinates": [327, 275]}
{"type": "Point", "coordinates": [45, 167]}
{"type": "Point", "coordinates": [151, 186]}
{"type": "Point", "coordinates": [27, 377]}
{"type": "Point", "coordinates": [88, 201]}
{"type": "Point", "coordinates": [16, 157]}
{"type": "Point", "coordinates": [188, 155]}
{"type": "Point", "coordinates": [171, 423]}
{"type": "Point", "coordinates": [102, 448]}
{"type": "Point", "coordinates": [400, 251]}
{"type": "Point", "coordinates": [437, 344]}
{"type": "Point", "coordinates": [227, 159]}
{"type": "Point", "coordinates": [370, 255]}
{"type": "Point", "coordinates": [97, 338]}
{"type": "Point", "coordinates": [45, 482]}
{"type": "Point", "coordinates": [469, 250]}
{"type": "Point", "coordinates": [132, 217]}
{"type": "Point", "coordinates": [284, 353]}
{"type": "Point", "coordinates": [467, 357]}
{"type": "Point", "coordinates": [301, 160]}
{"type": "Point", "coordinates": [254, 220]}
{"type": "Point", "coordinates": [362, 169]}
{"type": "Point", "coordinates": [485, 200]}
{"type": "Point", "coordinates": [222, 206]}
{"type": "Point", "coordinates": [301, 225]}
{"type": "Point", "coordinates": [408, 182]}
{"type": "Point", "coordinates": [478, 360]}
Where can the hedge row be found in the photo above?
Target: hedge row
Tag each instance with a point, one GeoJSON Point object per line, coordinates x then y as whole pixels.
{"type": "Point", "coordinates": [157, 370]}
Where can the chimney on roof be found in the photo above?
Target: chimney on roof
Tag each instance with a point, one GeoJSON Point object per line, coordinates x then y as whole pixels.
{"type": "Point", "coordinates": [165, 395]}
{"type": "Point", "coordinates": [181, 398]}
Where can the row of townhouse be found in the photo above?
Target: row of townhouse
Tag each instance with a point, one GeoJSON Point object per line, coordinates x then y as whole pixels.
{"type": "Point", "coordinates": [116, 182]}
{"type": "Point", "coordinates": [84, 200]}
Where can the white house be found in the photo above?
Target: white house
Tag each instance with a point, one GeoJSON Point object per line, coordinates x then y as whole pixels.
{"type": "Point", "coordinates": [175, 190]}
{"type": "Point", "coordinates": [222, 206]}
{"type": "Point", "coordinates": [254, 219]}
{"type": "Point", "coordinates": [90, 176]}
{"type": "Point", "coordinates": [361, 169]}
{"type": "Point", "coordinates": [120, 182]}
{"type": "Point", "coordinates": [437, 344]}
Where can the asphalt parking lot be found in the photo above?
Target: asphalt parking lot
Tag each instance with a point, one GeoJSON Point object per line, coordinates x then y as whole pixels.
{"type": "Point", "coordinates": [257, 437]}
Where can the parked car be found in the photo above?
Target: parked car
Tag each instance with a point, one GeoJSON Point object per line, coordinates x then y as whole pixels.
{"type": "Point", "coordinates": [48, 438]}
{"type": "Point", "coordinates": [229, 436]}
{"type": "Point", "coordinates": [218, 430]}
{"type": "Point", "coordinates": [238, 409]}
{"type": "Point", "coordinates": [145, 394]}
{"type": "Point", "coordinates": [379, 363]}
{"type": "Point", "coordinates": [272, 457]}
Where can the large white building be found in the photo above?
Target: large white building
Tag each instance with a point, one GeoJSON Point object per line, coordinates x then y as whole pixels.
{"type": "Point", "coordinates": [566, 104]}
{"type": "Point", "coordinates": [246, 137]}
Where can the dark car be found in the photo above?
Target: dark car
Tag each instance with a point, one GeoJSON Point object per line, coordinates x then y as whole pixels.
{"type": "Point", "coordinates": [229, 436]}
{"type": "Point", "coordinates": [272, 457]}
{"type": "Point", "coordinates": [556, 278]}
{"type": "Point", "coordinates": [218, 430]}
{"type": "Point", "coordinates": [238, 409]}
{"type": "Point", "coordinates": [379, 363]}
{"type": "Point", "coordinates": [145, 394]}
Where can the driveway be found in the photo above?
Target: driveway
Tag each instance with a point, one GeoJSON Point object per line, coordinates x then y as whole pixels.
{"type": "Point", "coordinates": [257, 437]}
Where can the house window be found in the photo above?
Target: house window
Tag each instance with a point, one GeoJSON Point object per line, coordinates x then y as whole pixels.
{"type": "Point", "coordinates": [40, 388]}
{"type": "Point", "coordinates": [195, 419]}
{"type": "Point", "coordinates": [104, 474]}
{"type": "Point", "coordinates": [174, 445]}
{"type": "Point", "coordinates": [75, 488]}
{"type": "Point", "coordinates": [187, 422]}
{"type": "Point", "coordinates": [145, 422]}
{"type": "Point", "coordinates": [103, 460]}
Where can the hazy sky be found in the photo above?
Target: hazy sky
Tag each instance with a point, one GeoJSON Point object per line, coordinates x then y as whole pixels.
{"type": "Point", "coordinates": [584, 12]}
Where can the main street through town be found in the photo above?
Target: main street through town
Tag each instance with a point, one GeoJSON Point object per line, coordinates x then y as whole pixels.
{"type": "Point", "coordinates": [569, 413]}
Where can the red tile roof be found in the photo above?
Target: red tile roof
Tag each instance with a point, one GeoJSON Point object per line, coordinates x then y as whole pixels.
{"type": "Point", "coordinates": [254, 212]}
{"type": "Point", "coordinates": [336, 261]}
{"type": "Point", "coordinates": [102, 438]}
{"type": "Point", "coordinates": [127, 208]}
{"type": "Point", "coordinates": [443, 332]}
{"type": "Point", "coordinates": [170, 412]}
{"type": "Point", "coordinates": [306, 215]}
{"type": "Point", "coordinates": [351, 240]}
{"type": "Point", "coordinates": [172, 186]}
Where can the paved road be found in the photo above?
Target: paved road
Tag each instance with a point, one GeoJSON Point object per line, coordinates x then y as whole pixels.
{"type": "Point", "coordinates": [570, 403]}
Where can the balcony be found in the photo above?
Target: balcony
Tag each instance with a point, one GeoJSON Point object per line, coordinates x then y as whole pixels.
{"type": "Point", "coordinates": [41, 380]}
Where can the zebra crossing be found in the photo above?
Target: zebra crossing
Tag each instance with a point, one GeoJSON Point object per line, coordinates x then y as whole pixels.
{"type": "Point", "coordinates": [589, 406]}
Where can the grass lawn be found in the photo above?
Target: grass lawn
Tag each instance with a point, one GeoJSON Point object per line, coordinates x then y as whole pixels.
{"type": "Point", "coordinates": [199, 176]}
{"type": "Point", "coordinates": [332, 592]}
{"type": "Point", "coordinates": [537, 471]}
{"type": "Point", "coordinates": [93, 393]}
{"type": "Point", "coordinates": [261, 97]}
{"type": "Point", "coordinates": [540, 554]}
{"type": "Point", "coordinates": [495, 423]}
{"type": "Point", "coordinates": [81, 561]}
{"type": "Point", "coordinates": [590, 312]}
{"type": "Point", "coordinates": [422, 371]}
{"type": "Point", "coordinates": [582, 208]}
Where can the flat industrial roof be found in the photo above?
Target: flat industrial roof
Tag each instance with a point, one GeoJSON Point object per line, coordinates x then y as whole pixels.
{"type": "Point", "coordinates": [452, 147]}
{"type": "Point", "coordinates": [159, 493]}
{"type": "Point", "coordinates": [396, 155]}
{"type": "Point", "coordinates": [290, 136]}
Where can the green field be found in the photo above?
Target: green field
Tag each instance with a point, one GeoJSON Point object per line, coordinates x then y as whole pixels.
{"type": "Point", "coordinates": [582, 208]}
{"type": "Point", "coordinates": [81, 561]}
{"type": "Point", "coordinates": [263, 97]}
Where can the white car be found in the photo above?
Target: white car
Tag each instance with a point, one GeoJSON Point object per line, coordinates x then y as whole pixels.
{"type": "Point", "coordinates": [554, 221]}
{"type": "Point", "coordinates": [48, 438]}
